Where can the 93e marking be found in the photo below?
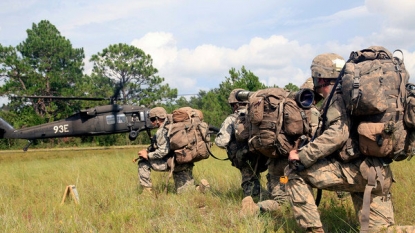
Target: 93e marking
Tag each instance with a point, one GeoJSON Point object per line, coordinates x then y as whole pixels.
{"type": "Point", "coordinates": [61, 128]}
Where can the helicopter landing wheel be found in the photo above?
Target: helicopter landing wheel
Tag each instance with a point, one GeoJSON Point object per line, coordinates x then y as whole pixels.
{"type": "Point", "coordinates": [132, 135]}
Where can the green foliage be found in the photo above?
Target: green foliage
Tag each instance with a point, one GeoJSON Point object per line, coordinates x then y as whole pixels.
{"type": "Point", "coordinates": [214, 103]}
{"type": "Point", "coordinates": [133, 73]}
{"type": "Point", "coordinates": [44, 64]}
{"type": "Point", "coordinates": [291, 87]}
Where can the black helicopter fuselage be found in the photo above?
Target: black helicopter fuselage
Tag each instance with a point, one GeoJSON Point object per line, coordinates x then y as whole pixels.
{"type": "Point", "coordinates": [100, 120]}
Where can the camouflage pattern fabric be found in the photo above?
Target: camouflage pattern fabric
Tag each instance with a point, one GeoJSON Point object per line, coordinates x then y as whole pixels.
{"type": "Point", "coordinates": [333, 138]}
{"type": "Point", "coordinates": [182, 174]}
{"type": "Point", "coordinates": [275, 188]}
{"type": "Point", "coordinates": [249, 164]}
{"type": "Point", "coordinates": [276, 170]}
{"type": "Point", "coordinates": [227, 130]}
{"type": "Point", "coordinates": [337, 176]}
{"type": "Point", "coordinates": [183, 177]}
{"type": "Point", "coordinates": [162, 144]}
{"type": "Point", "coordinates": [324, 171]}
{"type": "Point", "coordinates": [157, 161]}
{"type": "Point", "coordinates": [145, 167]}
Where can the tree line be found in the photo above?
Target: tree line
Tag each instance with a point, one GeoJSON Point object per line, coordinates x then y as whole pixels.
{"type": "Point", "coordinates": [46, 64]}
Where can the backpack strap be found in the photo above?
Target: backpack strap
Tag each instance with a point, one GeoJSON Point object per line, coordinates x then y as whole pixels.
{"type": "Point", "coordinates": [374, 175]}
{"type": "Point", "coordinates": [172, 164]}
{"type": "Point", "coordinates": [306, 125]}
{"type": "Point", "coordinates": [280, 114]}
{"type": "Point", "coordinates": [402, 90]}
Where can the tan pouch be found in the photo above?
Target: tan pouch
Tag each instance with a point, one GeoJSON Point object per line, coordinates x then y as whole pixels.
{"type": "Point", "coordinates": [373, 141]}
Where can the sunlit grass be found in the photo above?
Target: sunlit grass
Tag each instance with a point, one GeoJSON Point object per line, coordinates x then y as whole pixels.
{"type": "Point", "coordinates": [33, 183]}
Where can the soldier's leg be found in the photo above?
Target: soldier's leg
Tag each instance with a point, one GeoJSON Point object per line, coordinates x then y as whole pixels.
{"type": "Point", "coordinates": [275, 188]}
{"type": "Point", "coordinates": [144, 170]}
{"type": "Point", "coordinates": [250, 182]}
{"type": "Point", "coordinates": [144, 173]}
{"type": "Point", "coordinates": [183, 177]}
{"type": "Point", "coordinates": [275, 171]}
{"type": "Point", "coordinates": [381, 210]}
{"type": "Point", "coordinates": [302, 202]}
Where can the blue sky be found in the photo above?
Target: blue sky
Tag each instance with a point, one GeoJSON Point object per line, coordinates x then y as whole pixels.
{"type": "Point", "coordinates": [194, 43]}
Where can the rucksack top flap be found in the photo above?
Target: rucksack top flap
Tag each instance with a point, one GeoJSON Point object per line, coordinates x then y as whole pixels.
{"type": "Point", "coordinates": [371, 53]}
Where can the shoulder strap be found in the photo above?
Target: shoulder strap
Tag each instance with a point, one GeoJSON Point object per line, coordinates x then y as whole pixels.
{"type": "Point", "coordinates": [327, 104]}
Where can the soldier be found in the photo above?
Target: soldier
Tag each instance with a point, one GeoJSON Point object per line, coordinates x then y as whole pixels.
{"type": "Point", "coordinates": [161, 158]}
{"type": "Point", "coordinates": [275, 171]}
{"type": "Point", "coordinates": [317, 164]}
{"type": "Point", "coordinates": [249, 164]}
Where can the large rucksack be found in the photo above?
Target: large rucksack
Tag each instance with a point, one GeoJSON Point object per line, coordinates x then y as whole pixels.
{"type": "Point", "coordinates": [188, 135]}
{"type": "Point", "coordinates": [274, 122]}
{"type": "Point", "coordinates": [373, 88]}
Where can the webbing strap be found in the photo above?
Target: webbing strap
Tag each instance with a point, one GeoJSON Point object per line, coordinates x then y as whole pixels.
{"type": "Point", "coordinates": [371, 183]}
{"type": "Point", "coordinates": [306, 125]}
{"type": "Point", "coordinates": [402, 91]}
{"type": "Point", "coordinates": [375, 174]}
{"type": "Point", "coordinates": [170, 174]}
{"type": "Point", "coordinates": [356, 84]}
{"type": "Point", "coordinates": [280, 115]}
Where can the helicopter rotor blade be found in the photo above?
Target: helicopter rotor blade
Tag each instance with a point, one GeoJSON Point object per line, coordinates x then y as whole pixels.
{"type": "Point", "coordinates": [62, 97]}
{"type": "Point", "coordinates": [117, 91]}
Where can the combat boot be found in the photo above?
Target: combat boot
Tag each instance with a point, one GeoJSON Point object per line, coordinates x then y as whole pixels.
{"type": "Point", "coordinates": [249, 207]}
{"type": "Point", "coordinates": [204, 186]}
{"type": "Point", "coordinates": [314, 230]}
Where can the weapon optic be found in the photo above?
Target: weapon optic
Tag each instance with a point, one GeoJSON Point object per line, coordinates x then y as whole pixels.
{"type": "Point", "coordinates": [304, 97]}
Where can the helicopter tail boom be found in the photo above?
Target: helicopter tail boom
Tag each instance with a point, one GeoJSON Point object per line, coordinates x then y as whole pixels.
{"type": "Point", "coordinates": [6, 130]}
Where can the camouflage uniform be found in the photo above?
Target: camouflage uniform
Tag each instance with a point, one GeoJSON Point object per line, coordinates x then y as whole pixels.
{"type": "Point", "coordinates": [158, 160]}
{"type": "Point", "coordinates": [324, 170]}
{"type": "Point", "coordinates": [249, 164]}
{"type": "Point", "coordinates": [276, 166]}
{"type": "Point", "coordinates": [274, 187]}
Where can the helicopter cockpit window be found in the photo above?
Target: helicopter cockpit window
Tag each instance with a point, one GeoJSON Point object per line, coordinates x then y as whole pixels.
{"type": "Point", "coordinates": [120, 119]}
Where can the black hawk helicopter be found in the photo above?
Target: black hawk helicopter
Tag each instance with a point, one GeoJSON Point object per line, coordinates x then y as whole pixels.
{"type": "Point", "coordinates": [99, 120]}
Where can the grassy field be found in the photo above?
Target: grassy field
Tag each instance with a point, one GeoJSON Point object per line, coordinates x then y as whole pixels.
{"type": "Point", "coordinates": [33, 184]}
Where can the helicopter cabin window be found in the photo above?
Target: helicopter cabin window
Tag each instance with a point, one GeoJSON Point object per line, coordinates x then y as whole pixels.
{"type": "Point", "coordinates": [120, 119]}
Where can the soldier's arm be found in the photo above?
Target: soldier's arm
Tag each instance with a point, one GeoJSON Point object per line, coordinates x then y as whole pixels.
{"type": "Point", "coordinates": [163, 145]}
{"type": "Point", "coordinates": [225, 133]}
{"type": "Point", "coordinates": [331, 140]}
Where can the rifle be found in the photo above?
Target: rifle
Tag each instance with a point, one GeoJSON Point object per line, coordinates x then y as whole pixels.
{"type": "Point", "coordinates": [152, 147]}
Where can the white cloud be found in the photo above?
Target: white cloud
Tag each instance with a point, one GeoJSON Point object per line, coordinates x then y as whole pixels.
{"type": "Point", "coordinates": [192, 50]}
{"type": "Point", "coordinates": [275, 60]}
{"type": "Point", "coordinates": [397, 13]}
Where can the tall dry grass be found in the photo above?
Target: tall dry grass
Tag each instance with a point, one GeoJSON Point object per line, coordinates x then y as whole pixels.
{"type": "Point", "coordinates": [33, 184]}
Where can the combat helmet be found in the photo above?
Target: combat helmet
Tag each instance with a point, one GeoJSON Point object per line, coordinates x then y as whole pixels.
{"type": "Point", "coordinates": [326, 65]}
{"type": "Point", "coordinates": [232, 98]}
{"type": "Point", "coordinates": [158, 112]}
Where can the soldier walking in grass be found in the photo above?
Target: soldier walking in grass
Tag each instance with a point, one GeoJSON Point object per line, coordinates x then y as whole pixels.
{"type": "Point", "coordinates": [160, 158]}
{"type": "Point", "coordinates": [249, 164]}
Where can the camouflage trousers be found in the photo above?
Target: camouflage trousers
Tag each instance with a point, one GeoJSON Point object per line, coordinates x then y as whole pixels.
{"type": "Point", "coordinates": [251, 174]}
{"type": "Point", "coordinates": [278, 196]}
{"type": "Point", "coordinates": [182, 174]}
{"type": "Point", "coordinates": [350, 177]}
